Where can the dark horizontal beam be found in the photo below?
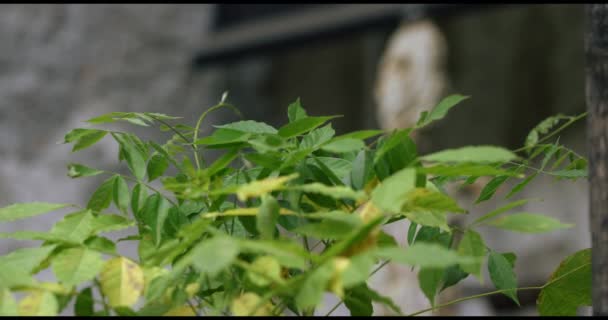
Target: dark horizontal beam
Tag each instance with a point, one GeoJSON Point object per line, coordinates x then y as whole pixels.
{"type": "Point", "coordinates": [267, 36]}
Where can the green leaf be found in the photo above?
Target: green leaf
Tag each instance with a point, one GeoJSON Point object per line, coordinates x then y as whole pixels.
{"type": "Point", "coordinates": [359, 135]}
{"type": "Point", "coordinates": [302, 125]}
{"type": "Point", "coordinates": [472, 245]}
{"type": "Point", "coordinates": [76, 170]}
{"type": "Point", "coordinates": [122, 282]}
{"type": "Point", "coordinates": [423, 199]}
{"type": "Point", "coordinates": [17, 265]}
{"type": "Point", "coordinates": [425, 255]}
{"type": "Point", "coordinates": [411, 232]}
{"type": "Point", "coordinates": [249, 126]}
{"type": "Point", "coordinates": [8, 305]}
{"type": "Point", "coordinates": [440, 110]}
{"type": "Point", "coordinates": [542, 128]}
{"type": "Point", "coordinates": [452, 276]}
{"type": "Point", "coordinates": [101, 244]}
{"type": "Point", "coordinates": [502, 275]}
{"type": "Point", "coordinates": [120, 194]}
{"type": "Point", "coordinates": [362, 169]}
{"type": "Point", "coordinates": [568, 288]}
{"type": "Point", "coordinates": [336, 192]}
{"type": "Point", "coordinates": [154, 214]}
{"type": "Point", "coordinates": [84, 138]}
{"type": "Point", "coordinates": [336, 225]}
{"type": "Point", "coordinates": [295, 111]}
{"type": "Point", "coordinates": [359, 301]}
{"type": "Point", "coordinates": [287, 253]}
{"type": "Point", "coordinates": [156, 166]}
{"type": "Point", "coordinates": [34, 235]}
{"type": "Point", "coordinates": [521, 185]}
{"type": "Point", "coordinates": [528, 223]}
{"type": "Point", "coordinates": [314, 139]}
{"type": "Point", "coordinates": [500, 210]}
{"type": "Point", "coordinates": [75, 227]}
{"type": "Point", "coordinates": [391, 142]}
{"type": "Point", "coordinates": [39, 303]}
{"type": "Point", "coordinates": [222, 162]}
{"type": "Point", "coordinates": [26, 259]}
{"type": "Point", "coordinates": [138, 198]}
{"type": "Point", "coordinates": [133, 154]}
{"type": "Point", "coordinates": [214, 255]}
{"type": "Point", "coordinates": [110, 222]}
{"type": "Point", "coordinates": [464, 169]}
{"type": "Point", "coordinates": [76, 265]}
{"type": "Point", "coordinates": [490, 188]}
{"type": "Point", "coordinates": [102, 197]}
{"type": "Point", "coordinates": [344, 145]}
{"type": "Point", "coordinates": [339, 167]}
{"type": "Point", "coordinates": [84, 303]}
{"type": "Point", "coordinates": [569, 173]}
{"type": "Point", "coordinates": [312, 288]}
{"type": "Point", "coordinates": [358, 270]}
{"type": "Point", "coordinates": [266, 219]}
{"type": "Point", "coordinates": [475, 154]}
{"type": "Point", "coordinates": [25, 210]}
{"type": "Point", "coordinates": [224, 138]}
{"type": "Point", "coordinates": [391, 194]}
{"type": "Point", "coordinates": [429, 219]}
{"type": "Point", "coordinates": [430, 281]}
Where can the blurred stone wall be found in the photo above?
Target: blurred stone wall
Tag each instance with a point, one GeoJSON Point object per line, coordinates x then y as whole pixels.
{"type": "Point", "coordinates": [61, 64]}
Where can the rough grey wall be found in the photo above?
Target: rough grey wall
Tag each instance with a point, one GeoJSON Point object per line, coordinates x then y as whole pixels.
{"type": "Point", "coordinates": [61, 64]}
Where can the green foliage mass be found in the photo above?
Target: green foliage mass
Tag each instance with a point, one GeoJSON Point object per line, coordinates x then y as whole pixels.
{"type": "Point", "coordinates": [281, 217]}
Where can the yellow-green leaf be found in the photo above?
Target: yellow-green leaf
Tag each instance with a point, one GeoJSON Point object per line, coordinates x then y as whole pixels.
{"type": "Point", "coordinates": [39, 303]}
{"type": "Point", "coordinates": [8, 305]}
{"type": "Point", "coordinates": [76, 265]}
{"type": "Point", "coordinates": [122, 282]}
{"type": "Point", "coordinates": [25, 210]}
{"type": "Point", "coordinates": [472, 245]}
{"type": "Point", "coordinates": [528, 223]}
{"type": "Point", "coordinates": [474, 154]}
{"type": "Point", "coordinates": [261, 187]}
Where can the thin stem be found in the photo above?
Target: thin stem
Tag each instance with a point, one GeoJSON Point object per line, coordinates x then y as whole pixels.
{"type": "Point", "coordinates": [198, 125]}
{"type": "Point", "coordinates": [470, 298]}
{"type": "Point", "coordinates": [564, 126]}
{"type": "Point", "coordinates": [370, 275]}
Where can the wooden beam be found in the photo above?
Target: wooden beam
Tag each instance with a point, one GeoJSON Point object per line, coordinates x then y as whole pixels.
{"type": "Point", "coordinates": [301, 28]}
{"type": "Point", "coordinates": [596, 50]}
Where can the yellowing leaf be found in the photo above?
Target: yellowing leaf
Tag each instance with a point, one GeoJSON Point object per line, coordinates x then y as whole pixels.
{"type": "Point", "coordinates": [261, 187]}
{"type": "Point", "coordinates": [39, 303]}
{"type": "Point", "coordinates": [264, 271]}
{"type": "Point", "coordinates": [183, 311]}
{"type": "Point", "coordinates": [122, 281]}
{"type": "Point", "coordinates": [247, 303]}
{"type": "Point", "coordinates": [8, 305]}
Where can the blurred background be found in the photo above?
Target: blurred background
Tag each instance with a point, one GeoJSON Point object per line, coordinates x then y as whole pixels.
{"type": "Point", "coordinates": [377, 65]}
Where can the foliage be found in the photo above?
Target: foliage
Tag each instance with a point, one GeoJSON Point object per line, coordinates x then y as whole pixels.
{"type": "Point", "coordinates": [283, 216]}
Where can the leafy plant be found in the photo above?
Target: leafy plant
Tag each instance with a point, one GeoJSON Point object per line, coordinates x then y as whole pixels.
{"type": "Point", "coordinates": [280, 218]}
